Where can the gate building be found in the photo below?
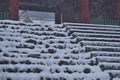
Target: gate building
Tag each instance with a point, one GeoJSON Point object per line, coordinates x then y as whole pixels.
{"type": "Point", "coordinates": [105, 12]}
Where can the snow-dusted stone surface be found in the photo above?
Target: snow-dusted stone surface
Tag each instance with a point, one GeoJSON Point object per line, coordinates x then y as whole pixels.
{"type": "Point", "coordinates": [116, 79]}
{"type": "Point", "coordinates": [30, 51]}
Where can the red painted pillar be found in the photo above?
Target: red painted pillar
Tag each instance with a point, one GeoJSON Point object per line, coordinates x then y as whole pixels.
{"type": "Point", "coordinates": [118, 10]}
{"type": "Point", "coordinates": [14, 10]}
{"type": "Point", "coordinates": [85, 12]}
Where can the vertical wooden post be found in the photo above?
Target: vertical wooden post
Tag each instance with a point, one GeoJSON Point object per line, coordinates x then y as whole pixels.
{"type": "Point", "coordinates": [71, 11]}
{"type": "Point", "coordinates": [65, 8]}
{"type": "Point", "coordinates": [14, 10]}
{"type": "Point", "coordinates": [58, 15]}
{"type": "Point", "coordinates": [85, 12]}
{"type": "Point", "coordinates": [118, 11]}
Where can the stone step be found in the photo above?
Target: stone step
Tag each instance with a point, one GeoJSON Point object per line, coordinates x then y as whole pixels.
{"type": "Point", "coordinates": [97, 39]}
{"type": "Point", "coordinates": [99, 43]}
{"type": "Point", "coordinates": [55, 76]}
{"type": "Point", "coordinates": [93, 28]}
{"type": "Point", "coordinates": [71, 31]}
{"type": "Point", "coordinates": [113, 73]}
{"type": "Point", "coordinates": [39, 33]}
{"type": "Point", "coordinates": [95, 35]}
{"type": "Point", "coordinates": [45, 61]}
{"type": "Point", "coordinates": [18, 23]}
{"type": "Point", "coordinates": [102, 53]}
{"type": "Point", "coordinates": [51, 69]}
{"type": "Point", "coordinates": [108, 59]}
{"type": "Point", "coordinates": [109, 66]}
{"type": "Point", "coordinates": [15, 44]}
{"type": "Point", "coordinates": [116, 78]}
{"type": "Point", "coordinates": [89, 25]}
{"type": "Point", "coordinates": [38, 55]}
{"type": "Point", "coordinates": [60, 40]}
{"type": "Point", "coordinates": [100, 48]}
{"type": "Point", "coordinates": [42, 49]}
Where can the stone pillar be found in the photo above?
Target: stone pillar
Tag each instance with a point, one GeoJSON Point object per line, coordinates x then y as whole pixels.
{"type": "Point", "coordinates": [14, 10]}
{"type": "Point", "coordinates": [85, 12]}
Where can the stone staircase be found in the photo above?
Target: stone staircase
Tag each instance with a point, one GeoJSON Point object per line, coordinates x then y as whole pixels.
{"type": "Point", "coordinates": [53, 52]}
{"type": "Point", "coordinates": [101, 43]}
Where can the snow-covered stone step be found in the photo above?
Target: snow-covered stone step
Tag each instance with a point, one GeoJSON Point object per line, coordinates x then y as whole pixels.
{"type": "Point", "coordinates": [14, 34]}
{"type": "Point", "coordinates": [36, 55]}
{"type": "Point", "coordinates": [102, 53]}
{"type": "Point", "coordinates": [18, 23]}
{"type": "Point", "coordinates": [71, 31]}
{"type": "Point", "coordinates": [99, 43]}
{"type": "Point", "coordinates": [40, 33]}
{"type": "Point", "coordinates": [59, 29]}
{"type": "Point", "coordinates": [43, 37]}
{"type": "Point", "coordinates": [101, 48]}
{"type": "Point", "coordinates": [15, 44]}
{"type": "Point", "coordinates": [12, 39]}
{"type": "Point", "coordinates": [56, 76]}
{"type": "Point", "coordinates": [28, 61]}
{"type": "Point", "coordinates": [116, 78]}
{"type": "Point", "coordinates": [40, 49]}
{"type": "Point", "coordinates": [26, 36]}
{"type": "Point", "coordinates": [46, 60]}
{"type": "Point", "coordinates": [66, 45]}
{"type": "Point", "coordinates": [108, 59]}
{"type": "Point", "coordinates": [93, 28]}
{"type": "Point", "coordinates": [27, 29]}
{"type": "Point", "coordinates": [113, 73]}
{"type": "Point", "coordinates": [60, 40]}
{"type": "Point", "coordinates": [51, 69]}
{"type": "Point", "coordinates": [98, 39]}
{"type": "Point", "coordinates": [109, 66]}
{"type": "Point", "coordinates": [75, 34]}
{"type": "Point", "coordinates": [14, 55]}
{"type": "Point", "coordinates": [36, 31]}
{"type": "Point", "coordinates": [89, 25]}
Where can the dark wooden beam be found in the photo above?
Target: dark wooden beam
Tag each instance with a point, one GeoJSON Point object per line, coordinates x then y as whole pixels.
{"type": "Point", "coordinates": [58, 15]}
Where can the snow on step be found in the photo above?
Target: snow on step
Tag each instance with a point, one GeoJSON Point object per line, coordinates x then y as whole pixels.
{"type": "Point", "coordinates": [20, 68]}
{"type": "Point", "coordinates": [99, 54]}
{"type": "Point", "coordinates": [64, 76]}
{"type": "Point", "coordinates": [45, 60]}
{"type": "Point", "coordinates": [89, 25]}
{"type": "Point", "coordinates": [76, 34]}
{"type": "Point", "coordinates": [100, 43]}
{"type": "Point", "coordinates": [116, 79]}
{"type": "Point", "coordinates": [103, 53]}
{"type": "Point", "coordinates": [100, 48]}
{"type": "Point", "coordinates": [71, 31]}
{"type": "Point", "coordinates": [109, 59]}
{"type": "Point", "coordinates": [97, 39]}
{"type": "Point", "coordinates": [109, 66]}
{"type": "Point", "coordinates": [113, 73]}
{"type": "Point", "coordinates": [93, 28]}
